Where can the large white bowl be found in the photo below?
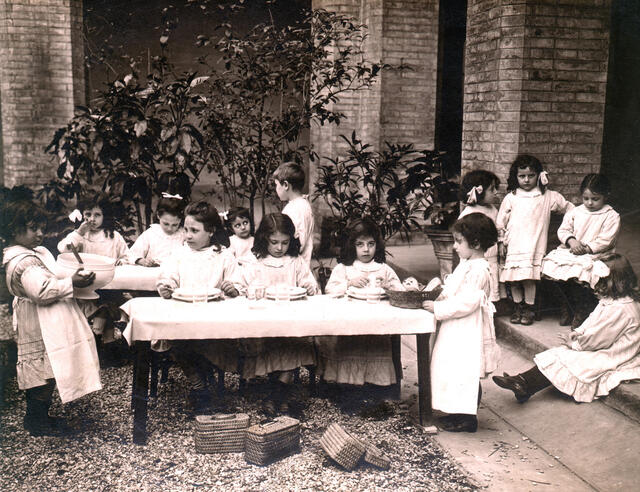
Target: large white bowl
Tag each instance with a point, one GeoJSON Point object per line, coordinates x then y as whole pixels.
{"type": "Point", "coordinates": [103, 266]}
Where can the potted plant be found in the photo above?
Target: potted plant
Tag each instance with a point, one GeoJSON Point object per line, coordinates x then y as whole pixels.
{"type": "Point", "coordinates": [399, 187]}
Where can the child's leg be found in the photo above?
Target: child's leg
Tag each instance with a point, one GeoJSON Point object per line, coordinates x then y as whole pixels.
{"type": "Point", "coordinates": [585, 302]}
{"type": "Point", "coordinates": [517, 293]}
{"type": "Point", "coordinates": [528, 314]}
{"type": "Point", "coordinates": [525, 384]}
{"type": "Point", "coordinates": [199, 396]}
{"type": "Point", "coordinates": [36, 419]}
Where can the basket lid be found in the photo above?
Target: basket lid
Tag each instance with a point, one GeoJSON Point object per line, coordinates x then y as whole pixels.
{"type": "Point", "coordinates": [277, 424]}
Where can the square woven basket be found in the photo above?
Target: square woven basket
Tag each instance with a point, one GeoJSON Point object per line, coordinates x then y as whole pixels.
{"type": "Point", "coordinates": [412, 299]}
{"type": "Point", "coordinates": [342, 447]}
{"type": "Point", "coordinates": [221, 433]}
{"type": "Point", "coordinates": [266, 443]}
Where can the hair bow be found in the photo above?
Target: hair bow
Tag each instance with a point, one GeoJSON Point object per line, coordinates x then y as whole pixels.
{"type": "Point", "coordinates": [167, 195]}
{"type": "Point", "coordinates": [472, 196]}
{"type": "Point", "coordinates": [600, 269]}
{"type": "Point", "coordinates": [224, 215]}
{"type": "Point", "coordinates": [75, 216]}
{"type": "Point", "coordinates": [543, 178]}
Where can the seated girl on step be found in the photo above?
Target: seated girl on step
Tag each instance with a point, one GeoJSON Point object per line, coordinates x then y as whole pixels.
{"type": "Point", "coordinates": [599, 354]}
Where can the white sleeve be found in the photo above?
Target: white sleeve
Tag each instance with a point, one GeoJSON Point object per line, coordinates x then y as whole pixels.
{"type": "Point", "coordinates": [465, 301]}
{"type": "Point", "coordinates": [608, 234]}
{"type": "Point", "coordinates": [338, 281]}
{"type": "Point", "coordinates": [170, 272]}
{"type": "Point", "coordinates": [72, 238]}
{"type": "Point", "coordinates": [566, 229]}
{"type": "Point", "coordinates": [42, 287]}
{"type": "Point", "coordinates": [140, 248]}
{"type": "Point", "coordinates": [502, 219]}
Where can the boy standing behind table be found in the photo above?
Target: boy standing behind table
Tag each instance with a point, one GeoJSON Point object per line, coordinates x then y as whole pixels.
{"type": "Point", "coordinates": [289, 179]}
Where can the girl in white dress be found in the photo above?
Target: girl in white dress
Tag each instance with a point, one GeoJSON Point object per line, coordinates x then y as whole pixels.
{"type": "Point", "coordinates": [55, 343]}
{"type": "Point", "coordinates": [157, 243]}
{"type": "Point", "coordinates": [359, 359]}
{"type": "Point", "coordinates": [202, 264]}
{"type": "Point", "coordinates": [523, 228]}
{"type": "Point", "coordinates": [277, 261]}
{"type": "Point", "coordinates": [238, 220]}
{"type": "Point", "coordinates": [479, 192]}
{"type": "Point", "coordinates": [465, 348]}
{"type": "Point", "coordinates": [587, 233]}
{"type": "Point", "coordinates": [598, 355]}
{"type": "Point", "coordinates": [97, 235]}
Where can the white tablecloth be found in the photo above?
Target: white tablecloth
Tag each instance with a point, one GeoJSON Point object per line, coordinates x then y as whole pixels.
{"type": "Point", "coordinates": [156, 318]}
{"type": "Point", "coordinates": [133, 277]}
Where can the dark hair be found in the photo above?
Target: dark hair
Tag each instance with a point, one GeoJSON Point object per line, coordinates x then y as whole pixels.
{"type": "Point", "coordinates": [292, 173]}
{"type": "Point", "coordinates": [360, 228]}
{"type": "Point", "coordinates": [101, 201]}
{"type": "Point", "coordinates": [171, 206]}
{"type": "Point", "coordinates": [271, 224]}
{"type": "Point", "coordinates": [208, 214]}
{"type": "Point", "coordinates": [478, 230]}
{"type": "Point", "coordinates": [621, 281]}
{"type": "Point", "coordinates": [597, 183]}
{"type": "Point", "coordinates": [234, 213]}
{"type": "Point", "coordinates": [17, 215]}
{"type": "Point", "coordinates": [523, 161]}
{"type": "Point", "coordinates": [479, 177]}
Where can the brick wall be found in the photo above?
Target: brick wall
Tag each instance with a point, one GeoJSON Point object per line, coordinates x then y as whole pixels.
{"type": "Point", "coordinates": [41, 79]}
{"type": "Point", "coordinates": [400, 108]}
{"type": "Point", "coordinates": [535, 81]}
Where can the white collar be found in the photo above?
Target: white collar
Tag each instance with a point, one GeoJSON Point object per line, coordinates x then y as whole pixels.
{"type": "Point", "coordinates": [372, 266]}
{"type": "Point", "coordinates": [529, 194]}
{"type": "Point", "coordinates": [603, 210]}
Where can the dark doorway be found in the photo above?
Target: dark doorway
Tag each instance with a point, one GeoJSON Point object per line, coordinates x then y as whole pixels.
{"type": "Point", "coordinates": [621, 139]}
{"type": "Point", "coordinates": [452, 35]}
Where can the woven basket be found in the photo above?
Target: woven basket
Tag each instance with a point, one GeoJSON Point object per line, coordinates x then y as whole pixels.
{"type": "Point", "coordinates": [342, 447]}
{"type": "Point", "coordinates": [221, 433]}
{"type": "Point", "coordinates": [412, 299]}
{"type": "Point", "coordinates": [266, 443]}
{"type": "Point", "coordinates": [375, 457]}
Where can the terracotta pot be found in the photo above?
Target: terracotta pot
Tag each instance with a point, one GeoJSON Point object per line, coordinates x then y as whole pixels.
{"type": "Point", "coordinates": [442, 241]}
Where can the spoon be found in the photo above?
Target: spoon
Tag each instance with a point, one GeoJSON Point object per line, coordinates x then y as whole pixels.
{"type": "Point", "coordinates": [76, 254]}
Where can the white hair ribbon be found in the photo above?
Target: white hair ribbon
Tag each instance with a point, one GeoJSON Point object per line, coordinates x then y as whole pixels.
{"type": "Point", "coordinates": [167, 195]}
{"type": "Point", "coordinates": [224, 215]}
{"type": "Point", "coordinates": [75, 216]}
{"type": "Point", "coordinates": [472, 196]}
{"type": "Point", "coordinates": [543, 178]}
{"type": "Point", "coordinates": [600, 269]}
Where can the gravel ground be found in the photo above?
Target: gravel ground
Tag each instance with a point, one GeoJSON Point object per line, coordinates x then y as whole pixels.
{"type": "Point", "coordinates": [99, 454]}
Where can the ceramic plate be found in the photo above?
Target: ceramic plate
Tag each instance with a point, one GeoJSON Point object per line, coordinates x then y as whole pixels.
{"type": "Point", "coordinates": [183, 295]}
{"type": "Point", "coordinates": [361, 293]}
{"type": "Point", "coordinates": [294, 292]}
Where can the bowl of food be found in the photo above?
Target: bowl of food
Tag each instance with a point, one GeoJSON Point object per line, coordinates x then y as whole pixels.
{"type": "Point", "coordinates": [102, 266]}
{"type": "Point", "coordinates": [415, 293]}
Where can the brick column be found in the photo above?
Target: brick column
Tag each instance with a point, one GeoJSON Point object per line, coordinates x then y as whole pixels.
{"type": "Point", "coordinates": [400, 108]}
{"type": "Point", "coordinates": [535, 80]}
{"type": "Point", "coordinates": [41, 80]}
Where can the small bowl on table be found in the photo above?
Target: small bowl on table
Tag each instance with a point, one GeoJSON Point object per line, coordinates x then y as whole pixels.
{"type": "Point", "coordinates": [102, 266]}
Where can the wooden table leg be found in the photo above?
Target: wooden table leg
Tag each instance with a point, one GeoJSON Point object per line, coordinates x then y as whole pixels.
{"type": "Point", "coordinates": [424, 378]}
{"type": "Point", "coordinates": [141, 392]}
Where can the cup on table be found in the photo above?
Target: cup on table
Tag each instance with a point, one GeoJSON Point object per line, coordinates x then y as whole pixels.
{"type": "Point", "coordinates": [373, 295]}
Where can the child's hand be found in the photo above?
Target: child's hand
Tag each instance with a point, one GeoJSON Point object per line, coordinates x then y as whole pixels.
{"type": "Point", "coordinates": [147, 262]}
{"type": "Point", "coordinates": [84, 228]}
{"type": "Point", "coordinates": [120, 261]}
{"type": "Point", "coordinates": [567, 338]}
{"type": "Point", "coordinates": [165, 291]}
{"type": "Point", "coordinates": [358, 282]}
{"type": "Point", "coordinates": [502, 252]}
{"type": "Point", "coordinates": [576, 247]}
{"type": "Point", "coordinates": [311, 290]}
{"type": "Point", "coordinates": [82, 278]}
{"type": "Point", "coordinates": [428, 305]}
{"type": "Point", "coordinates": [229, 289]}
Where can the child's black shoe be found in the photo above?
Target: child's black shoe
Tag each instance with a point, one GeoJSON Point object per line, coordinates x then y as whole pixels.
{"type": "Point", "coordinates": [458, 423]}
{"type": "Point", "coordinates": [517, 384]}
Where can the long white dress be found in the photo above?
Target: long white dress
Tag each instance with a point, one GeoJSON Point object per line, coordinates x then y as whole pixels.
{"type": "Point", "coordinates": [464, 350]}
{"type": "Point", "coordinates": [358, 359]}
{"type": "Point", "coordinates": [54, 339]}
{"type": "Point", "coordinates": [155, 244]}
{"type": "Point", "coordinates": [301, 214]}
{"type": "Point", "coordinates": [605, 353]}
{"type": "Point", "coordinates": [199, 269]}
{"type": "Point", "coordinates": [491, 255]}
{"type": "Point", "coordinates": [523, 226]}
{"type": "Point", "coordinates": [263, 356]}
{"type": "Point", "coordinates": [598, 230]}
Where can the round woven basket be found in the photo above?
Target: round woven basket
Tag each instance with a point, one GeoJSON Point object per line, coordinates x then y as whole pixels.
{"type": "Point", "coordinates": [411, 299]}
